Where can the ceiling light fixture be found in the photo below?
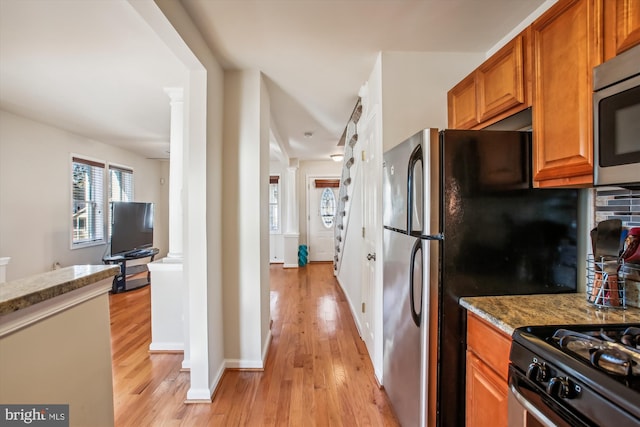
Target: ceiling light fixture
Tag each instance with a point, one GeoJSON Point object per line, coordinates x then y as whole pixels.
{"type": "Point", "coordinates": [337, 157]}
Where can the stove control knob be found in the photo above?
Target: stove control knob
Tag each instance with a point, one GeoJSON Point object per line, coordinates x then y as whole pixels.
{"type": "Point", "coordinates": [538, 372]}
{"type": "Point", "coordinates": [559, 386]}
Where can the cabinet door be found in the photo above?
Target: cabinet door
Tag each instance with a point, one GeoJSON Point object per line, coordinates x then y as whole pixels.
{"type": "Point", "coordinates": [461, 102]}
{"type": "Point", "coordinates": [501, 81]}
{"type": "Point", "coordinates": [486, 395]}
{"type": "Point", "coordinates": [622, 26]}
{"type": "Point", "coordinates": [566, 46]}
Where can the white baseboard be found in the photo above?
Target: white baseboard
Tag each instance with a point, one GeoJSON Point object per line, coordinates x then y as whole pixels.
{"type": "Point", "coordinates": [200, 395]}
{"type": "Point", "coordinates": [166, 346]}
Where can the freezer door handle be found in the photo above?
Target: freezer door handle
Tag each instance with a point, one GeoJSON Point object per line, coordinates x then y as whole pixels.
{"type": "Point", "coordinates": [415, 315]}
{"type": "Point", "coordinates": [416, 156]}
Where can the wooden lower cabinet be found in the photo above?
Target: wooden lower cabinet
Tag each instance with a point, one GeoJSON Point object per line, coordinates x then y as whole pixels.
{"type": "Point", "coordinates": [486, 395]}
{"type": "Point", "coordinates": [487, 373]}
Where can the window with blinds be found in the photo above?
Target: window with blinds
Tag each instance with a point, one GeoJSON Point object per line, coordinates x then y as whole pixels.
{"type": "Point", "coordinates": [120, 189]}
{"type": "Point", "coordinates": [87, 210]}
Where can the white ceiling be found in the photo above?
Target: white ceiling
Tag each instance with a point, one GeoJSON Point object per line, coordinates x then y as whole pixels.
{"type": "Point", "coordinates": [95, 68]}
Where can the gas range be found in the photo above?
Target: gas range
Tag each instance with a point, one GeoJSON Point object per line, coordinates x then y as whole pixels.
{"type": "Point", "coordinates": [578, 375]}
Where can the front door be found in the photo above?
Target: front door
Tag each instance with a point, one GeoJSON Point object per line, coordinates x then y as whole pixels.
{"type": "Point", "coordinates": [323, 202]}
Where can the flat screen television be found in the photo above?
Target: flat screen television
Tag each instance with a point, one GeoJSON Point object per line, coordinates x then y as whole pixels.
{"type": "Point", "coordinates": [132, 227]}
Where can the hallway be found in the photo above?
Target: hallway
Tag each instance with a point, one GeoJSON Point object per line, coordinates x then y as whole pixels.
{"type": "Point", "coordinates": [317, 371]}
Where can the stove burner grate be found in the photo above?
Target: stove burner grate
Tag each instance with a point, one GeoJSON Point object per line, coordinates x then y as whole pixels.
{"type": "Point", "coordinates": [618, 354]}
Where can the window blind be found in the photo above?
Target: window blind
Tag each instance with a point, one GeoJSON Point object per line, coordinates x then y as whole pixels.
{"type": "Point", "coordinates": [120, 190]}
{"type": "Point", "coordinates": [120, 184]}
{"type": "Point", "coordinates": [87, 210]}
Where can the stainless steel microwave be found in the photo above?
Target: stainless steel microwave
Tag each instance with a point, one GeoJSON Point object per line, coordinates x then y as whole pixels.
{"type": "Point", "coordinates": [616, 121]}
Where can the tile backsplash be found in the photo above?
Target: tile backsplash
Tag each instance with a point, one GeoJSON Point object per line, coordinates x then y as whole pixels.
{"type": "Point", "coordinates": [618, 203]}
{"type": "Point", "coordinates": [622, 204]}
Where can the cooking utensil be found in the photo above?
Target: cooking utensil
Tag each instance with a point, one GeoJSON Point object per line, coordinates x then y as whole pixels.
{"type": "Point", "coordinates": [606, 247]}
{"type": "Point", "coordinates": [597, 280]}
{"type": "Point", "coordinates": [608, 240]}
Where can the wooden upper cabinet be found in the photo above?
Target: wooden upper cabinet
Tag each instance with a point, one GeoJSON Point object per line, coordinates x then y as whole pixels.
{"type": "Point", "coordinates": [498, 88]}
{"type": "Point", "coordinates": [622, 26]}
{"type": "Point", "coordinates": [462, 103]}
{"type": "Point", "coordinates": [500, 81]}
{"type": "Point", "coordinates": [566, 46]}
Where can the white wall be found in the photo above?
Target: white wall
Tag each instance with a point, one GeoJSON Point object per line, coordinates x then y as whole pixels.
{"type": "Point", "coordinates": [414, 90]}
{"type": "Point", "coordinates": [263, 209]}
{"type": "Point", "coordinates": [407, 91]}
{"type": "Point", "coordinates": [64, 358]}
{"type": "Point", "coordinates": [350, 273]}
{"type": "Point", "coordinates": [245, 218]}
{"type": "Point", "coordinates": [203, 182]}
{"type": "Point", "coordinates": [35, 194]}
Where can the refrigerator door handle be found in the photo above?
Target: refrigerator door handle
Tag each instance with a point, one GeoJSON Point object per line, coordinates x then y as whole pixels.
{"type": "Point", "coordinates": [416, 316]}
{"type": "Point", "coordinates": [416, 156]}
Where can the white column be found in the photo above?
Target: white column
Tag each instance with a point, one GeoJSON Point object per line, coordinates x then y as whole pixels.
{"type": "Point", "coordinates": [169, 296]}
{"type": "Point", "coordinates": [175, 171]}
{"type": "Point", "coordinates": [291, 207]}
{"type": "Point", "coordinates": [291, 226]}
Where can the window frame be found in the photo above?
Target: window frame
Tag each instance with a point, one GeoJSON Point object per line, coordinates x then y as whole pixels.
{"type": "Point", "coordinates": [91, 161]}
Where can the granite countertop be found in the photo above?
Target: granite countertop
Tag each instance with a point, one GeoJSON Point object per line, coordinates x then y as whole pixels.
{"type": "Point", "coordinates": [22, 293]}
{"type": "Point", "coordinates": [513, 311]}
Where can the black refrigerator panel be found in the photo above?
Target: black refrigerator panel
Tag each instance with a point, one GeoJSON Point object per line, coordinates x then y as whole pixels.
{"type": "Point", "coordinates": [501, 237]}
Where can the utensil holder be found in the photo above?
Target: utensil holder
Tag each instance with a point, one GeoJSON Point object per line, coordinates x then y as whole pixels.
{"type": "Point", "coordinates": [606, 282]}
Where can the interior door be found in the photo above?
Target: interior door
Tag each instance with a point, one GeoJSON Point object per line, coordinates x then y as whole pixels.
{"type": "Point", "coordinates": [320, 236]}
{"type": "Point", "coordinates": [369, 227]}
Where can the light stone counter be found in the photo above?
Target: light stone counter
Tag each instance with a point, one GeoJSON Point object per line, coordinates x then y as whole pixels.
{"type": "Point", "coordinates": [514, 311]}
{"type": "Point", "coordinates": [22, 293]}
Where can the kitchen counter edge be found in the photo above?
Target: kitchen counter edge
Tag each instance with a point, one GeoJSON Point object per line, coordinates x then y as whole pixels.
{"type": "Point", "coordinates": [23, 293]}
{"type": "Point", "coordinates": [513, 311]}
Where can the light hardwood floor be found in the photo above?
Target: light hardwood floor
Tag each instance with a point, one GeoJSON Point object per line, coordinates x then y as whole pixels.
{"type": "Point", "coordinates": [317, 371]}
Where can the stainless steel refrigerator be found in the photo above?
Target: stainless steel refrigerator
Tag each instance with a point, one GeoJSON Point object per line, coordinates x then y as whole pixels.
{"type": "Point", "coordinates": [461, 219]}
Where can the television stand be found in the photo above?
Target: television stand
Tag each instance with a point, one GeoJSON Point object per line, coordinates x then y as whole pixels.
{"type": "Point", "coordinates": [125, 281]}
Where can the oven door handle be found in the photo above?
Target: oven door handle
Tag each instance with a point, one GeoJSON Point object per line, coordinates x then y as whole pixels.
{"type": "Point", "coordinates": [546, 422]}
